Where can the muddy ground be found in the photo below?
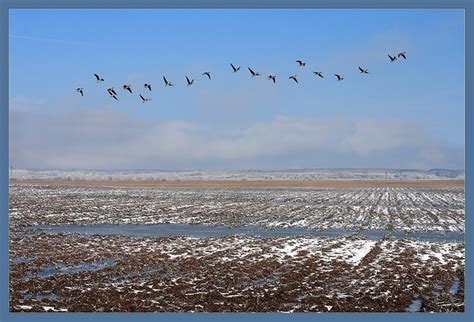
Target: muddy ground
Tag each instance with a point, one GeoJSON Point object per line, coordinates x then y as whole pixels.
{"type": "Point", "coordinates": [76, 273]}
{"type": "Point", "coordinates": [69, 272]}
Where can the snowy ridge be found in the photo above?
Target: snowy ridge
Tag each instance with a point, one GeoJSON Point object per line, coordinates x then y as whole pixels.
{"type": "Point", "coordinates": [302, 174]}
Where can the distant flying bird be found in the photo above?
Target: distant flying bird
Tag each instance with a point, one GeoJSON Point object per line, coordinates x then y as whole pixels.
{"type": "Point", "coordinates": [80, 90]}
{"type": "Point", "coordinates": [339, 77]}
{"type": "Point", "coordinates": [146, 85]}
{"type": "Point", "coordinates": [253, 73]}
{"type": "Point", "coordinates": [272, 77]}
{"type": "Point", "coordinates": [293, 77]}
{"type": "Point", "coordinates": [302, 64]}
{"type": "Point", "coordinates": [166, 82]}
{"type": "Point", "coordinates": [392, 59]}
{"type": "Point", "coordinates": [144, 99]}
{"type": "Point", "coordinates": [363, 71]}
{"type": "Point", "coordinates": [207, 74]}
{"type": "Point", "coordinates": [190, 82]}
{"type": "Point", "coordinates": [99, 79]}
{"type": "Point", "coordinates": [127, 88]}
{"type": "Point", "coordinates": [112, 91]}
{"type": "Point", "coordinates": [235, 69]}
{"type": "Point", "coordinates": [402, 54]}
{"type": "Point", "coordinates": [318, 74]}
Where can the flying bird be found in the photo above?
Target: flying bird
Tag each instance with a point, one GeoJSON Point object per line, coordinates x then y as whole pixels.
{"type": "Point", "coordinates": [146, 85]}
{"type": "Point", "coordinates": [80, 90]}
{"type": "Point", "coordinates": [339, 77]}
{"type": "Point", "coordinates": [127, 88]}
{"type": "Point", "coordinates": [144, 99]}
{"type": "Point", "coordinates": [293, 77]}
{"type": "Point", "coordinates": [253, 73]}
{"type": "Point", "coordinates": [363, 71]}
{"type": "Point", "coordinates": [166, 82]}
{"type": "Point", "coordinates": [318, 74]}
{"type": "Point", "coordinates": [302, 64]}
{"type": "Point", "coordinates": [207, 74]}
{"type": "Point", "coordinates": [272, 77]}
{"type": "Point", "coordinates": [99, 79]}
{"type": "Point", "coordinates": [402, 54]}
{"type": "Point", "coordinates": [392, 59]}
{"type": "Point", "coordinates": [235, 69]}
{"type": "Point", "coordinates": [112, 91]}
{"type": "Point", "coordinates": [190, 82]}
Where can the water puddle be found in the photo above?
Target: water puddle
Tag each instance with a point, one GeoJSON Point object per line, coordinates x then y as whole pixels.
{"type": "Point", "coordinates": [415, 306]}
{"type": "Point", "coordinates": [40, 297]}
{"type": "Point", "coordinates": [15, 261]}
{"type": "Point", "coordinates": [170, 230]}
{"type": "Point", "coordinates": [60, 269]}
{"type": "Point", "coordinates": [453, 290]}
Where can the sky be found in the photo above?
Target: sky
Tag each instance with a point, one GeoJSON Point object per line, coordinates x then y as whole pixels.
{"type": "Point", "coordinates": [408, 114]}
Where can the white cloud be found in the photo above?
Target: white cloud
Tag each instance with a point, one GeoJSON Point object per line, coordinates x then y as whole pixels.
{"type": "Point", "coordinates": [371, 136]}
{"type": "Point", "coordinates": [110, 139]}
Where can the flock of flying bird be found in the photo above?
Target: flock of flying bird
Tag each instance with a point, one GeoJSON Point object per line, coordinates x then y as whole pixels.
{"type": "Point", "coordinates": [126, 87]}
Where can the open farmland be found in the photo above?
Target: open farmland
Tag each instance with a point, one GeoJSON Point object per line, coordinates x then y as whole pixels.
{"type": "Point", "coordinates": [349, 271]}
{"type": "Point", "coordinates": [398, 209]}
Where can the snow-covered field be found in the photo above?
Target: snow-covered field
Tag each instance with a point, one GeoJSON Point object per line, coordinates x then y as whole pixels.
{"type": "Point", "coordinates": [70, 272]}
{"type": "Point", "coordinates": [396, 209]}
{"type": "Point", "coordinates": [304, 174]}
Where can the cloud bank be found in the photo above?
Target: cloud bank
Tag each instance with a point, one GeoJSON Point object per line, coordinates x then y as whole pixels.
{"type": "Point", "coordinates": [107, 139]}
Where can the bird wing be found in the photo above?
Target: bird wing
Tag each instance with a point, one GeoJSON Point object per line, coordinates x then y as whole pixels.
{"type": "Point", "coordinates": [164, 78]}
{"type": "Point", "coordinates": [142, 97]}
{"type": "Point", "coordinates": [253, 73]}
{"type": "Point", "coordinates": [361, 69]}
{"type": "Point", "coordinates": [97, 76]}
{"type": "Point", "coordinates": [299, 62]}
{"type": "Point", "coordinates": [233, 67]}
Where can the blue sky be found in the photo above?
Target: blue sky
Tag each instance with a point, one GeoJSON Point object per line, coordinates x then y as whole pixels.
{"type": "Point", "coordinates": [406, 114]}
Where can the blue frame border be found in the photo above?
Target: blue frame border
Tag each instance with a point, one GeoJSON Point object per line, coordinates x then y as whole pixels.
{"type": "Point", "coordinates": [5, 5]}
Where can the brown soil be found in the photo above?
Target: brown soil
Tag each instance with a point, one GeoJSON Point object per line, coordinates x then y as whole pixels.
{"type": "Point", "coordinates": [221, 275]}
